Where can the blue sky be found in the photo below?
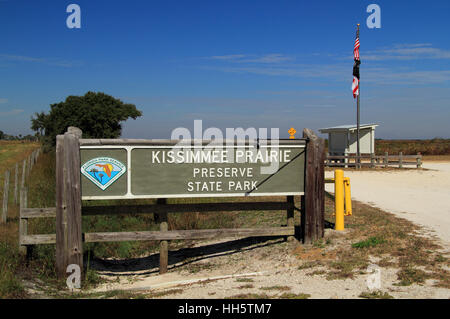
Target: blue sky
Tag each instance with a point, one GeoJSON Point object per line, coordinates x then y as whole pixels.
{"type": "Point", "coordinates": [231, 63]}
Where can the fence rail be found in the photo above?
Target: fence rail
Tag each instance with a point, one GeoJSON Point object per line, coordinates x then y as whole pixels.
{"type": "Point", "coordinates": [373, 161]}
{"type": "Point", "coordinates": [26, 241]}
{"type": "Point", "coordinates": [27, 166]}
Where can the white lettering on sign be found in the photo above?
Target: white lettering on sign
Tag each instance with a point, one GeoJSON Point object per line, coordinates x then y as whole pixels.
{"type": "Point", "coordinates": [220, 156]}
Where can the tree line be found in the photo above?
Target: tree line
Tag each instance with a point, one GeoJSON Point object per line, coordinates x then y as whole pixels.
{"type": "Point", "coordinates": [8, 137]}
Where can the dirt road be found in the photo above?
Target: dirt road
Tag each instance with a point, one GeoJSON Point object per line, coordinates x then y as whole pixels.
{"type": "Point", "coordinates": [421, 196]}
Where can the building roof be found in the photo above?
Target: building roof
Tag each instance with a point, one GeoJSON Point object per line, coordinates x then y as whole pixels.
{"type": "Point", "coordinates": [342, 128]}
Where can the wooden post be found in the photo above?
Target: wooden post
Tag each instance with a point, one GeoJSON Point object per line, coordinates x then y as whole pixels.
{"type": "Point", "coordinates": [73, 198]}
{"type": "Point", "coordinates": [400, 160]}
{"type": "Point", "coordinates": [313, 203]}
{"type": "Point", "coordinates": [68, 202]}
{"type": "Point", "coordinates": [290, 215]}
{"type": "Point", "coordinates": [16, 184]}
{"type": "Point", "coordinates": [372, 160]}
{"type": "Point", "coordinates": [24, 172]}
{"type": "Point", "coordinates": [29, 166]}
{"type": "Point", "coordinates": [61, 214]}
{"type": "Point", "coordinates": [163, 245]}
{"type": "Point", "coordinates": [5, 197]}
{"type": "Point", "coordinates": [419, 160]}
{"type": "Point", "coordinates": [23, 222]}
{"type": "Point", "coordinates": [386, 159]}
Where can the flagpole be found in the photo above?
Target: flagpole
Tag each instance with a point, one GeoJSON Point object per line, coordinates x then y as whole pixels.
{"type": "Point", "coordinates": [358, 154]}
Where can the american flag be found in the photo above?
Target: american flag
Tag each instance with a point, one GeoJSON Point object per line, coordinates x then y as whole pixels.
{"type": "Point", "coordinates": [355, 84]}
{"type": "Point", "coordinates": [356, 49]}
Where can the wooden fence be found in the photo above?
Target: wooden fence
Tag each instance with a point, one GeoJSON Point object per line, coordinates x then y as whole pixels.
{"type": "Point", "coordinates": [27, 166]}
{"type": "Point", "coordinates": [373, 161]}
{"type": "Point", "coordinates": [68, 211]}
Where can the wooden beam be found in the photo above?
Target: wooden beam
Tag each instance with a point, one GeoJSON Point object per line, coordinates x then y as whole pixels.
{"type": "Point", "coordinates": [185, 208]}
{"type": "Point", "coordinates": [5, 197]}
{"type": "Point", "coordinates": [163, 245]}
{"type": "Point", "coordinates": [165, 142]}
{"type": "Point", "coordinates": [16, 184]}
{"type": "Point", "coordinates": [23, 222]}
{"type": "Point", "coordinates": [44, 239]}
{"type": "Point", "coordinates": [50, 212]}
{"type": "Point", "coordinates": [314, 201]}
{"type": "Point", "coordinates": [60, 210]}
{"type": "Point", "coordinates": [72, 192]}
{"type": "Point", "coordinates": [39, 212]}
{"type": "Point", "coordinates": [166, 235]}
{"type": "Point", "coordinates": [188, 234]}
{"type": "Point", "coordinates": [290, 214]}
{"type": "Point", "coordinates": [24, 173]}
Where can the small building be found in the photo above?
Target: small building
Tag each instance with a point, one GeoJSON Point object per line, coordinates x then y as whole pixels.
{"type": "Point", "coordinates": [342, 139]}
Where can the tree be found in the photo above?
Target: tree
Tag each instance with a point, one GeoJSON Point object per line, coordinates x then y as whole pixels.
{"type": "Point", "coordinates": [97, 114]}
{"type": "Point", "coordinates": [2, 135]}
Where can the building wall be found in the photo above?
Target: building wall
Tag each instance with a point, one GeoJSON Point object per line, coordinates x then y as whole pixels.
{"type": "Point", "coordinates": [337, 142]}
{"type": "Point", "coordinates": [366, 142]}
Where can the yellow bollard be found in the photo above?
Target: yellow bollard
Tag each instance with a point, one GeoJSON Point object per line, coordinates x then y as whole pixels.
{"type": "Point", "coordinates": [348, 197]}
{"type": "Point", "coordinates": [339, 198]}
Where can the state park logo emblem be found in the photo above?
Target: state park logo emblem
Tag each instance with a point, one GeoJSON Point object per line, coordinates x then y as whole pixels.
{"type": "Point", "coordinates": [103, 171]}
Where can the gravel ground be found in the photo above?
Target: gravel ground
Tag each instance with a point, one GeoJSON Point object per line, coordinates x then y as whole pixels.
{"type": "Point", "coordinates": [267, 267]}
{"type": "Point", "coordinates": [231, 267]}
{"type": "Point", "coordinates": [421, 196]}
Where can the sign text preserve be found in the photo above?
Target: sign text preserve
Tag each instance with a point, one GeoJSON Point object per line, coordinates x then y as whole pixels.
{"type": "Point", "coordinates": [166, 170]}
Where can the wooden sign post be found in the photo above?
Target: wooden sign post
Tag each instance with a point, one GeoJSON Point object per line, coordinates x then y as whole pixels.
{"type": "Point", "coordinates": [69, 246]}
{"type": "Point", "coordinates": [102, 169]}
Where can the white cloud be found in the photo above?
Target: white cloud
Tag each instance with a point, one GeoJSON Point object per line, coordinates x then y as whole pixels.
{"type": "Point", "coordinates": [272, 58]}
{"type": "Point", "coordinates": [406, 52]}
{"type": "Point", "coordinates": [281, 65]}
{"type": "Point", "coordinates": [11, 112]}
{"type": "Point", "coordinates": [47, 61]}
{"type": "Point", "coordinates": [390, 76]}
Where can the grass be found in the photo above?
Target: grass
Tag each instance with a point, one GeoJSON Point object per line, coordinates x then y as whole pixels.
{"type": "Point", "coordinates": [244, 280]}
{"type": "Point", "coordinates": [280, 288]}
{"type": "Point", "coordinates": [10, 284]}
{"type": "Point", "coordinates": [394, 241]}
{"type": "Point", "coordinates": [375, 295]}
{"type": "Point", "coordinates": [247, 286]}
{"type": "Point", "coordinates": [411, 275]}
{"type": "Point", "coordinates": [265, 296]}
{"type": "Point", "coordinates": [11, 263]}
{"type": "Point", "coordinates": [294, 296]}
{"type": "Point", "coordinates": [371, 242]}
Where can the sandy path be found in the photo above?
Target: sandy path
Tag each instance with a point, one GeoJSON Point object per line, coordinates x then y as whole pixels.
{"type": "Point", "coordinates": [421, 196]}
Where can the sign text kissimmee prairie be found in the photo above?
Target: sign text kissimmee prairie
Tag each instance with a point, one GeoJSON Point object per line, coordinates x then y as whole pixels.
{"type": "Point", "coordinates": [165, 170]}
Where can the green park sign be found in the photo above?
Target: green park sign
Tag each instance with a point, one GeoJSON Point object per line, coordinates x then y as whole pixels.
{"type": "Point", "coordinates": [165, 170]}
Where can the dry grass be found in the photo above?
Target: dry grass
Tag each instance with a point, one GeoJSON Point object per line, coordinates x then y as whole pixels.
{"type": "Point", "coordinates": [374, 233]}
{"type": "Point", "coordinates": [375, 295]}
{"type": "Point", "coordinates": [278, 288]}
{"type": "Point", "coordinates": [436, 158]}
{"type": "Point", "coordinates": [285, 295]}
{"type": "Point", "coordinates": [436, 146]}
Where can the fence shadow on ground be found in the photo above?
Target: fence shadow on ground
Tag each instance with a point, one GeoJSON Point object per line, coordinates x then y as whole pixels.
{"type": "Point", "coordinates": [179, 258]}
